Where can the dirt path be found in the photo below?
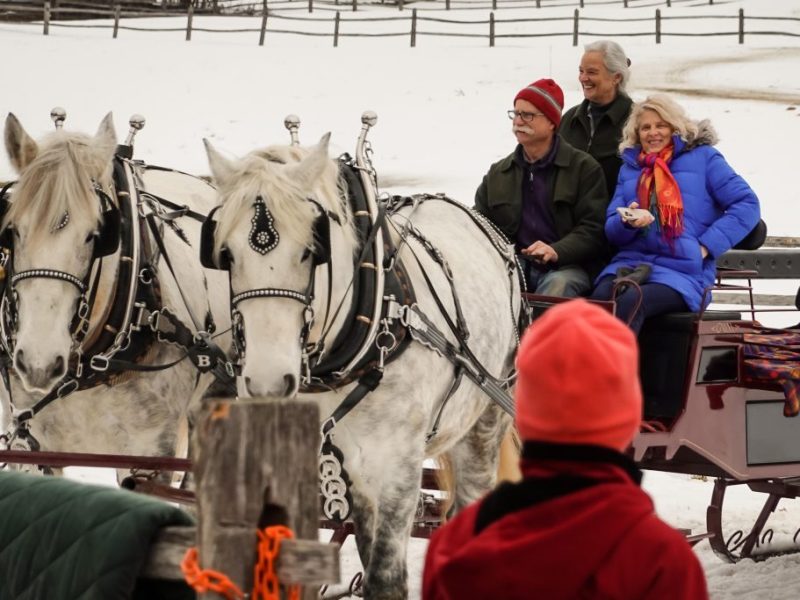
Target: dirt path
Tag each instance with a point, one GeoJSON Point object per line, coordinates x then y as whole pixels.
{"type": "Point", "coordinates": [676, 78]}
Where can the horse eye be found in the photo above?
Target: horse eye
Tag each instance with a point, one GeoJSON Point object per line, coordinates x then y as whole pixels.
{"type": "Point", "coordinates": [306, 255]}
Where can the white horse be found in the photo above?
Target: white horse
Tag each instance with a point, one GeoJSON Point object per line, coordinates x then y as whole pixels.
{"type": "Point", "coordinates": [58, 220]}
{"type": "Point", "coordinates": [383, 438]}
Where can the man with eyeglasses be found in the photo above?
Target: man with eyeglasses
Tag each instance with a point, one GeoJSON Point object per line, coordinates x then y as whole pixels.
{"type": "Point", "coordinates": [547, 197]}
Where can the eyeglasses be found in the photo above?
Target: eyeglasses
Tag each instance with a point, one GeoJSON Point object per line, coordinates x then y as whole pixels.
{"type": "Point", "coordinates": [526, 117]}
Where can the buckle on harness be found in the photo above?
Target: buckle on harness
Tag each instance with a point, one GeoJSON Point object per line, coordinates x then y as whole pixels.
{"type": "Point", "coordinates": [99, 363]}
{"type": "Point", "coordinates": [162, 327]}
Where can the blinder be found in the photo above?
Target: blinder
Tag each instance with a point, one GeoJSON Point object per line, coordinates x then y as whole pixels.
{"type": "Point", "coordinates": [264, 237]}
{"type": "Point", "coordinates": [107, 239]}
{"type": "Point", "coordinates": [207, 233]}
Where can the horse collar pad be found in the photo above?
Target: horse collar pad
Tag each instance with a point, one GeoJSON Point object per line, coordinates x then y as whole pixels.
{"type": "Point", "coordinates": [263, 235]}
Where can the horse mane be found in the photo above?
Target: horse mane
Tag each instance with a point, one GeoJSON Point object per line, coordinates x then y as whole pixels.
{"type": "Point", "coordinates": [59, 181]}
{"type": "Point", "coordinates": [263, 173]}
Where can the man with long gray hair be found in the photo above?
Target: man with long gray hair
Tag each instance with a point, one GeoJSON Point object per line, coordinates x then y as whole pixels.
{"type": "Point", "coordinates": [595, 125]}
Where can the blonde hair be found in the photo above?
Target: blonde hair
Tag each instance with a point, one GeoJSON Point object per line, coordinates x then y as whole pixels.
{"type": "Point", "coordinates": [666, 108]}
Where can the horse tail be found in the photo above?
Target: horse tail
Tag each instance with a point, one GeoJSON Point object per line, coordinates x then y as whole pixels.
{"type": "Point", "coordinates": [508, 463]}
{"type": "Point", "coordinates": [446, 482]}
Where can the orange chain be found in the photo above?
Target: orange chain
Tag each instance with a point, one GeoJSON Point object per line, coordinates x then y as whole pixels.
{"type": "Point", "coordinates": [207, 580]}
{"type": "Point", "coordinates": [265, 579]}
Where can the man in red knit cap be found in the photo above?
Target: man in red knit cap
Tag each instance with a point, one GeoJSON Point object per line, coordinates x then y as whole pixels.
{"type": "Point", "coordinates": [577, 526]}
{"type": "Point", "coordinates": [547, 197]}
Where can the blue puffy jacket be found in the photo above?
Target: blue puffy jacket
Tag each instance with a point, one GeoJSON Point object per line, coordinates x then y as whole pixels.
{"type": "Point", "coordinates": [719, 210]}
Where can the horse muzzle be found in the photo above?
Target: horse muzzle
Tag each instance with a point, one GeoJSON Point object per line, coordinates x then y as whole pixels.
{"type": "Point", "coordinates": [39, 374]}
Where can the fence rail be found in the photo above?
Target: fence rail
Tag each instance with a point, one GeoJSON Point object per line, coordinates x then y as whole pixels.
{"type": "Point", "coordinates": [465, 28]}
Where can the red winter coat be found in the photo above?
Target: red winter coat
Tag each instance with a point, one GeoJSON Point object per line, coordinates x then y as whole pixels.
{"type": "Point", "coordinates": [577, 527]}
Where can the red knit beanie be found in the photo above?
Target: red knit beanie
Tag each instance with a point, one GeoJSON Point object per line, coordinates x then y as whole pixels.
{"type": "Point", "coordinates": [545, 95]}
{"type": "Point", "coordinates": [578, 378]}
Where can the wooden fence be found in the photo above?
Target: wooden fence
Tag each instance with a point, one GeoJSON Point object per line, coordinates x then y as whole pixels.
{"type": "Point", "coordinates": [340, 26]}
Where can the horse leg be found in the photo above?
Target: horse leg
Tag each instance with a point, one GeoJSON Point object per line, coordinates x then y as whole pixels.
{"type": "Point", "coordinates": [386, 574]}
{"type": "Point", "coordinates": [474, 459]}
{"type": "Point", "coordinates": [364, 520]}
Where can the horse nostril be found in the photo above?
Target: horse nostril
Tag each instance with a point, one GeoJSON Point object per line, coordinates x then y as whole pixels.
{"type": "Point", "coordinates": [19, 362]}
{"type": "Point", "coordinates": [291, 385]}
{"type": "Point", "coordinates": [57, 370]}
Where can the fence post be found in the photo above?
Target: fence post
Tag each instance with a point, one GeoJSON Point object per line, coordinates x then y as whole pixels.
{"type": "Point", "coordinates": [538, 3]}
{"type": "Point", "coordinates": [494, 4]}
{"type": "Point", "coordinates": [117, 10]}
{"type": "Point", "coordinates": [264, 13]}
{"type": "Point", "coordinates": [491, 30]}
{"type": "Point", "coordinates": [355, 5]}
{"type": "Point", "coordinates": [575, 28]}
{"type": "Point", "coordinates": [741, 26]}
{"type": "Point", "coordinates": [625, 3]}
{"type": "Point", "coordinates": [658, 26]}
{"type": "Point", "coordinates": [669, 3]}
{"type": "Point", "coordinates": [581, 3]}
{"type": "Point", "coordinates": [46, 30]}
{"type": "Point", "coordinates": [189, 15]}
{"type": "Point", "coordinates": [266, 450]}
{"type": "Point", "coordinates": [414, 28]}
{"type": "Point", "coordinates": [336, 30]}
{"type": "Point", "coordinates": [310, 6]}
{"type": "Point", "coordinates": [399, 4]}
{"type": "Point", "coordinates": [447, 4]}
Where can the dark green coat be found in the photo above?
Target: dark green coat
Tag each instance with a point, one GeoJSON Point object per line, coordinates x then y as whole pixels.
{"type": "Point", "coordinates": [604, 145]}
{"type": "Point", "coordinates": [578, 204]}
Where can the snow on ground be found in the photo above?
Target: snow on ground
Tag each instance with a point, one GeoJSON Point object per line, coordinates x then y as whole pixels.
{"type": "Point", "coordinates": [442, 121]}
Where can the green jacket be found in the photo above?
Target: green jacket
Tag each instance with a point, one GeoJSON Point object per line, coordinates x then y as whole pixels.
{"type": "Point", "coordinates": [578, 204]}
{"type": "Point", "coordinates": [604, 145]}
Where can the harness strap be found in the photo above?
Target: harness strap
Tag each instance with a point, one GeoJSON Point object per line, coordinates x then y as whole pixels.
{"type": "Point", "coordinates": [366, 384]}
{"type": "Point", "coordinates": [151, 223]}
{"type": "Point", "coordinates": [179, 210]}
{"type": "Point", "coordinates": [425, 332]}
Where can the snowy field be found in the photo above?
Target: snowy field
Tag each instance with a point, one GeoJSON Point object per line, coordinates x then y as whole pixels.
{"type": "Point", "coordinates": [442, 121]}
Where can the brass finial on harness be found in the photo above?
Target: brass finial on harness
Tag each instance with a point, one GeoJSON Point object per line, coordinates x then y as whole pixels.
{"type": "Point", "coordinates": [58, 114]}
{"type": "Point", "coordinates": [292, 123]}
{"type": "Point", "coordinates": [136, 122]}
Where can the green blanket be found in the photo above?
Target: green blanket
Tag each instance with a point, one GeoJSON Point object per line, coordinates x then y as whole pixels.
{"type": "Point", "coordinates": [63, 540]}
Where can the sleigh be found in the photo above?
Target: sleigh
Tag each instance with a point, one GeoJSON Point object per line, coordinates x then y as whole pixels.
{"type": "Point", "coordinates": [720, 398]}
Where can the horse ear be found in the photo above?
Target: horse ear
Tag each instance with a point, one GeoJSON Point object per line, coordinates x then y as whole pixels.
{"type": "Point", "coordinates": [221, 167]}
{"type": "Point", "coordinates": [308, 170]}
{"type": "Point", "coordinates": [106, 136]}
{"type": "Point", "coordinates": [21, 147]}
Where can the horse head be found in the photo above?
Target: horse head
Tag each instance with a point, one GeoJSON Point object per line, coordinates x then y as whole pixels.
{"type": "Point", "coordinates": [55, 221]}
{"type": "Point", "coordinates": [272, 231]}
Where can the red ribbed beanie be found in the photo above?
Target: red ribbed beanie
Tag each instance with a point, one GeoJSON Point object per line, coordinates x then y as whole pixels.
{"type": "Point", "coordinates": [578, 378]}
{"type": "Point", "coordinates": [545, 95]}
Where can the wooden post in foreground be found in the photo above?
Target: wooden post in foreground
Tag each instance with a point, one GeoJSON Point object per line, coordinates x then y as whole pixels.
{"type": "Point", "coordinates": [46, 30]}
{"type": "Point", "coordinates": [256, 466]}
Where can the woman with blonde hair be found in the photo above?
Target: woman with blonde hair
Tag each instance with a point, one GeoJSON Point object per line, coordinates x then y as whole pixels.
{"type": "Point", "coordinates": [677, 207]}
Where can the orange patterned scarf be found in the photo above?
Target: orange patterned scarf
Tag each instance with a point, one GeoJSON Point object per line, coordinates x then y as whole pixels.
{"type": "Point", "coordinates": [656, 179]}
